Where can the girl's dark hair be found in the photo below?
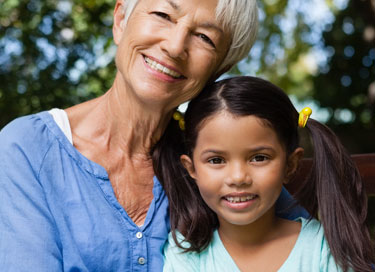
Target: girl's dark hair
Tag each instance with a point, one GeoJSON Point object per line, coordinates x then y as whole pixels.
{"type": "Point", "coordinates": [333, 189]}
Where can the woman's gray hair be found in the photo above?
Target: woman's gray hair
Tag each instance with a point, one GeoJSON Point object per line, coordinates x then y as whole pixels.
{"type": "Point", "coordinates": [238, 17]}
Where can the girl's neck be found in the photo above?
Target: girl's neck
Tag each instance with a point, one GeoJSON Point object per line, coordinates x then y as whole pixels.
{"type": "Point", "coordinates": [252, 234]}
{"type": "Point", "coordinates": [252, 246]}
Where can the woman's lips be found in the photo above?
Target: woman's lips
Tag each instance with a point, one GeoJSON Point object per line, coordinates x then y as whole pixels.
{"type": "Point", "coordinates": [162, 68]}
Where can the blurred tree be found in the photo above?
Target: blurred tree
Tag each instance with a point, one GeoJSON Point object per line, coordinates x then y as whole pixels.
{"type": "Point", "coordinates": [59, 53]}
{"type": "Point", "coordinates": [346, 84]}
{"type": "Point", "coordinates": [289, 30]}
{"type": "Point", "coordinates": [53, 54]}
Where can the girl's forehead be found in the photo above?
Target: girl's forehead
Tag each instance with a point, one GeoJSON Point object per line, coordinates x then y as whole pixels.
{"type": "Point", "coordinates": [226, 123]}
{"type": "Point", "coordinates": [236, 135]}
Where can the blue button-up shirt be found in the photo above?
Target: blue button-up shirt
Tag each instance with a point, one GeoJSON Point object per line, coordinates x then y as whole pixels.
{"type": "Point", "coordinates": [58, 211]}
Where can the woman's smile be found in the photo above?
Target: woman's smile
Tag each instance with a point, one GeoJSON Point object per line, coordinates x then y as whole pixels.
{"type": "Point", "coordinates": [171, 72]}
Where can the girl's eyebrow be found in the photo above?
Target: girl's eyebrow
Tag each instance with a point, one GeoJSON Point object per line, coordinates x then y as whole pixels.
{"type": "Point", "coordinates": [256, 149]}
{"type": "Point", "coordinates": [215, 151]}
{"type": "Point", "coordinates": [261, 148]}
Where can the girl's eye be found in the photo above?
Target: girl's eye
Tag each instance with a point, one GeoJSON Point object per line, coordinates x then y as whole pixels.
{"type": "Point", "coordinates": [162, 15]}
{"type": "Point", "coordinates": [206, 39]}
{"type": "Point", "coordinates": [259, 158]}
{"type": "Point", "coordinates": [216, 161]}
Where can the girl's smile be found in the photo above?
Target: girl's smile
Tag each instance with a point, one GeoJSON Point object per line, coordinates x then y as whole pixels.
{"type": "Point", "coordinates": [239, 201]}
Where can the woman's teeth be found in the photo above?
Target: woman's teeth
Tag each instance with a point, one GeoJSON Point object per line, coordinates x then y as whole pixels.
{"type": "Point", "coordinates": [238, 199]}
{"type": "Point", "coordinates": [160, 68]}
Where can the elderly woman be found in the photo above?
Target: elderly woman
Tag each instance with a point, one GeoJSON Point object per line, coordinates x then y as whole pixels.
{"type": "Point", "coordinates": [77, 186]}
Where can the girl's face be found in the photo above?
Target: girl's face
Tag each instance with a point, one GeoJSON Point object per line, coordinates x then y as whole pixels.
{"type": "Point", "coordinates": [239, 166]}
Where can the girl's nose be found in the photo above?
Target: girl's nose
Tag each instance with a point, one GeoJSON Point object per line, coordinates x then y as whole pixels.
{"type": "Point", "coordinates": [239, 174]}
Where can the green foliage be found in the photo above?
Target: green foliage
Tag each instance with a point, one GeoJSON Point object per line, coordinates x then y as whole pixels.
{"type": "Point", "coordinates": [346, 84]}
{"type": "Point", "coordinates": [60, 53]}
{"type": "Point", "coordinates": [49, 53]}
{"type": "Point", "coordinates": [280, 51]}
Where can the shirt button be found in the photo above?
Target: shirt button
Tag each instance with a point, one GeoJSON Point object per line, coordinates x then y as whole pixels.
{"type": "Point", "coordinates": [139, 235]}
{"type": "Point", "coordinates": [141, 260]}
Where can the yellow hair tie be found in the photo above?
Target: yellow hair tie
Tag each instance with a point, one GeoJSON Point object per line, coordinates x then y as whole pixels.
{"type": "Point", "coordinates": [180, 118]}
{"type": "Point", "coordinates": [303, 116]}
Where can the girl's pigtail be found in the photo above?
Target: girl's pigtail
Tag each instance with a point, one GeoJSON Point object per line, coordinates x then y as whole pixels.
{"type": "Point", "coordinates": [334, 193]}
{"type": "Point", "coordinates": [188, 212]}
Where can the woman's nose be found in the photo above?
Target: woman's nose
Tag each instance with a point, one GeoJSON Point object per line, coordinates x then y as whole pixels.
{"type": "Point", "coordinates": [176, 43]}
{"type": "Point", "coordinates": [239, 174]}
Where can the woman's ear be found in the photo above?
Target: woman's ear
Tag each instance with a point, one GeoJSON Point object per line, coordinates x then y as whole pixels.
{"type": "Point", "coordinates": [118, 22]}
{"type": "Point", "coordinates": [293, 162]}
{"type": "Point", "coordinates": [188, 164]}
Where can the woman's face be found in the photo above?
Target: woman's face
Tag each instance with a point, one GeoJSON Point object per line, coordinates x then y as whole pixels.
{"type": "Point", "coordinates": [169, 49]}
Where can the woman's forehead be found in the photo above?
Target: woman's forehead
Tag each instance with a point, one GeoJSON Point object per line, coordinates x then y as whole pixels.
{"type": "Point", "coordinates": [208, 7]}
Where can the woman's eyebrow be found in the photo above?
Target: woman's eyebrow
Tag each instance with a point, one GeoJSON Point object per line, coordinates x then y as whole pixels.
{"type": "Point", "coordinates": [211, 26]}
{"type": "Point", "coordinates": [174, 5]}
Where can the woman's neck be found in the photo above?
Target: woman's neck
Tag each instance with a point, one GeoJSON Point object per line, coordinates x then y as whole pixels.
{"type": "Point", "coordinates": [118, 134]}
{"type": "Point", "coordinates": [115, 123]}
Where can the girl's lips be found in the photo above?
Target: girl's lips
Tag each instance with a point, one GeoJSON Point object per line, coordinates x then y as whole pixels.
{"type": "Point", "coordinates": [239, 201]}
{"type": "Point", "coordinates": [239, 197]}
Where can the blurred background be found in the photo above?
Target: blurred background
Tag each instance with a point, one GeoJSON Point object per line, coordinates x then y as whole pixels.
{"type": "Point", "coordinates": [321, 52]}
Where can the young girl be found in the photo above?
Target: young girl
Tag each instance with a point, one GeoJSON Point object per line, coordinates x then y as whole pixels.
{"type": "Point", "coordinates": [240, 147]}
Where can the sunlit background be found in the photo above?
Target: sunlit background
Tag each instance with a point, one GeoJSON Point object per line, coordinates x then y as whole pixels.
{"type": "Point", "coordinates": [321, 52]}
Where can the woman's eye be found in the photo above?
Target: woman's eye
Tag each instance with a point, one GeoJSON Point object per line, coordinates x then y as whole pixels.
{"type": "Point", "coordinates": [259, 158]}
{"type": "Point", "coordinates": [206, 39]}
{"type": "Point", "coordinates": [161, 14]}
{"type": "Point", "coordinates": [215, 161]}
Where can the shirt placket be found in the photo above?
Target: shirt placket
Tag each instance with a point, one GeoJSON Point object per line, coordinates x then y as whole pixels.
{"type": "Point", "coordinates": [140, 256]}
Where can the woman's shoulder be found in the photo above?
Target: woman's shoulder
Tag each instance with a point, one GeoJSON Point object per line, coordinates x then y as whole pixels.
{"type": "Point", "coordinates": [23, 128]}
{"type": "Point", "coordinates": [28, 136]}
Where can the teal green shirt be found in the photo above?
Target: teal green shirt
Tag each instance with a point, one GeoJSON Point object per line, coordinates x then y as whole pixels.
{"type": "Point", "coordinates": [310, 253]}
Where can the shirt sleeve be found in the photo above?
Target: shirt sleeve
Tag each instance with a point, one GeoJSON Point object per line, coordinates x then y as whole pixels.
{"type": "Point", "coordinates": [175, 260]}
{"type": "Point", "coordinates": [28, 236]}
{"type": "Point", "coordinates": [286, 207]}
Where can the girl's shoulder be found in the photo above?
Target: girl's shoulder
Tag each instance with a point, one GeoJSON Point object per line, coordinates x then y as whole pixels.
{"type": "Point", "coordinates": [213, 258]}
{"type": "Point", "coordinates": [311, 251]}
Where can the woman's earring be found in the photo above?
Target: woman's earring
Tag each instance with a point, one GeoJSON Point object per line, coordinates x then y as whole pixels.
{"type": "Point", "coordinates": [180, 118]}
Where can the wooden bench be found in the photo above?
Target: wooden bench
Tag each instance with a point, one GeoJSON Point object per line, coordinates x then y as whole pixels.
{"type": "Point", "coordinates": [364, 162]}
